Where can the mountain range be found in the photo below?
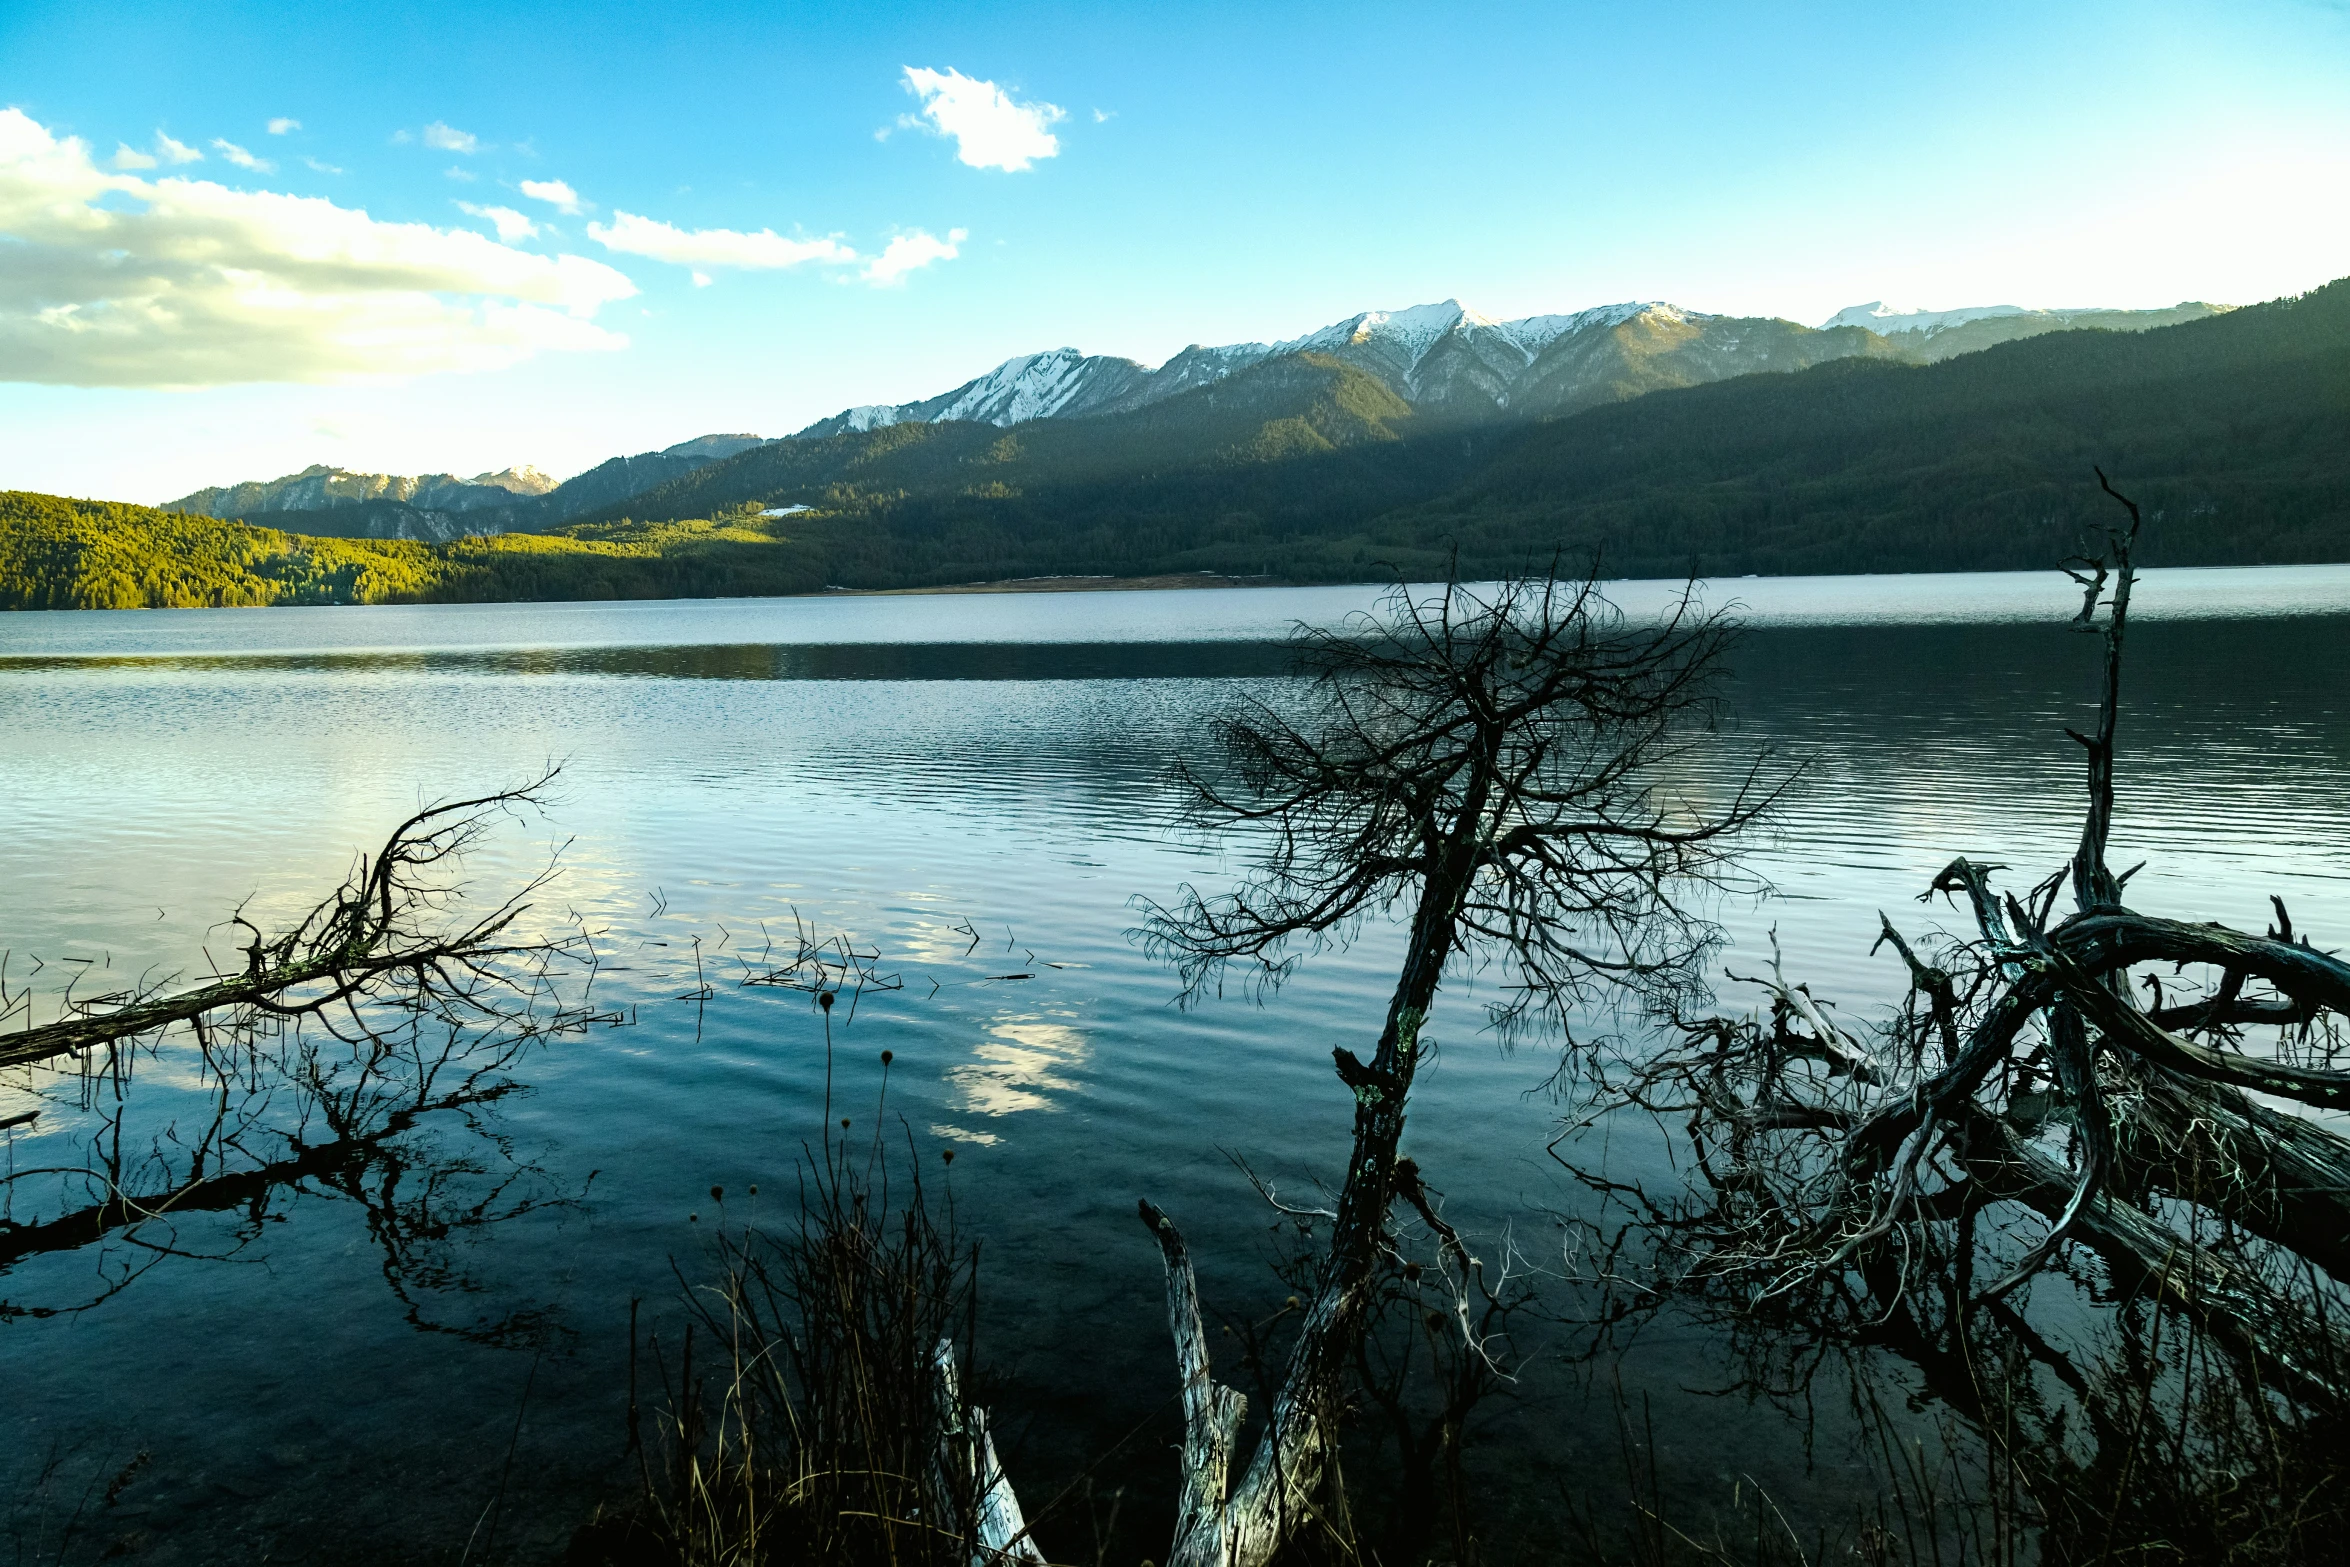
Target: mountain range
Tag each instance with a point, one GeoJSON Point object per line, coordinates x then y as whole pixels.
{"type": "Point", "coordinates": [1360, 456]}
{"type": "Point", "coordinates": [1443, 362]}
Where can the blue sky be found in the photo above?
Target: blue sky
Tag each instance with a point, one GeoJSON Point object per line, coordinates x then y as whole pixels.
{"type": "Point", "coordinates": [1125, 179]}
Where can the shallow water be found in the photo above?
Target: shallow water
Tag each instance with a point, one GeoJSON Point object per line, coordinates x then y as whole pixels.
{"type": "Point", "coordinates": [333, 1366]}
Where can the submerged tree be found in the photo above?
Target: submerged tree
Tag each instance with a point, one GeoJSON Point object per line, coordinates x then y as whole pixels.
{"type": "Point", "coordinates": [1503, 770]}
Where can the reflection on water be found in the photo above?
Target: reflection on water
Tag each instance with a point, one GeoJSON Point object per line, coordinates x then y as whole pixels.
{"type": "Point", "coordinates": [976, 789]}
{"type": "Point", "coordinates": [1022, 1064]}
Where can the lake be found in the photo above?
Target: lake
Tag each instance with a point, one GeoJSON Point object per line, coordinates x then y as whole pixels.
{"type": "Point", "coordinates": [390, 1354]}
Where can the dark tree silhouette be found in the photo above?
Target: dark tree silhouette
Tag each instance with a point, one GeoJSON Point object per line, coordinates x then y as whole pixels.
{"type": "Point", "coordinates": [1504, 767]}
{"type": "Point", "coordinates": [2105, 1095]}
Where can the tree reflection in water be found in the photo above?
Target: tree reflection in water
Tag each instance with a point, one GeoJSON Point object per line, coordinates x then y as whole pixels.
{"type": "Point", "coordinates": [405, 1126]}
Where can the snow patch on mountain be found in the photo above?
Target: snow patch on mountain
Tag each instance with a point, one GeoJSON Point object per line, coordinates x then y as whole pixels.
{"type": "Point", "coordinates": [1033, 386]}
{"type": "Point", "coordinates": [1533, 334]}
{"type": "Point", "coordinates": [1414, 331]}
{"type": "Point", "coordinates": [1882, 318]}
{"type": "Point", "coordinates": [1448, 359]}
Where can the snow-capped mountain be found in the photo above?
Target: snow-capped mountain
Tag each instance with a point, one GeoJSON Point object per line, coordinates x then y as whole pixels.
{"type": "Point", "coordinates": [1440, 358]}
{"type": "Point", "coordinates": [1450, 360]}
{"type": "Point", "coordinates": [1941, 334]}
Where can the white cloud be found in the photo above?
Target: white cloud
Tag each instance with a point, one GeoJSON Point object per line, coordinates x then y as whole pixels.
{"type": "Point", "coordinates": [323, 168]}
{"type": "Point", "coordinates": [991, 130]}
{"type": "Point", "coordinates": [703, 280]}
{"type": "Point", "coordinates": [281, 125]}
{"type": "Point", "coordinates": [910, 252]}
{"type": "Point", "coordinates": [554, 193]}
{"type": "Point", "coordinates": [1104, 116]}
{"type": "Point", "coordinates": [175, 151]}
{"type": "Point", "coordinates": [462, 175]}
{"type": "Point", "coordinates": [127, 156]}
{"type": "Point", "coordinates": [511, 225]}
{"type": "Point", "coordinates": [241, 158]}
{"type": "Point", "coordinates": [450, 139]}
{"type": "Point", "coordinates": [766, 249]}
{"type": "Point", "coordinates": [116, 280]}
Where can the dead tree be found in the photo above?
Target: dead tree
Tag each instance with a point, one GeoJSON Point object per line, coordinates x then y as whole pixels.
{"type": "Point", "coordinates": [2075, 984]}
{"type": "Point", "coordinates": [2085, 1091]}
{"type": "Point", "coordinates": [1499, 770]}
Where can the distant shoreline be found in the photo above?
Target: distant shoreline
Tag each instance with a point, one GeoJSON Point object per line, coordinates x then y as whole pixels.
{"type": "Point", "coordinates": [1071, 584]}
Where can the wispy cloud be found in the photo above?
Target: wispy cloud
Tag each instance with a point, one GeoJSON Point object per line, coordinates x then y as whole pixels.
{"type": "Point", "coordinates": [241, 158]}
{"type": "Point", "coordinates": [281, 125]}
{"type": "Point", "coordinates": [511, 225]}
{"type": "Point", "coordinates": [323, 168]}
{"type": "Point", "coordinates": [127, 156]}
{"type": "Point", "coordinates": [175, 151]}
{"type": "Point", "coordinates": [910, 252]}
{"type": "Point", "coordinates": [555, 194]}
{"type": "Point", "coordinates": [448, 138]}
{"type": "Point", "coordinates": [459, 172]}
{"type": "Point", "coordinates": [991, 129]}
{"type": "Point", "coordinates": [764, 251]}
{"type": "Point", "coordinates": [126, 281]}
{"type": "Point", "coordinates": [1104, 116]}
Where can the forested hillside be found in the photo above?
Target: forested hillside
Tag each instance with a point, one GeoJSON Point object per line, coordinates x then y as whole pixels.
{"type": "Point", "coordinates": [64, 554]}
{"type": "Point", "coordinates": [2231, 430]}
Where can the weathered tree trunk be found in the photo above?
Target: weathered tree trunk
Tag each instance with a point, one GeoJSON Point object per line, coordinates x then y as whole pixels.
{"type": "Point", "coordinates": [1250, 1525]}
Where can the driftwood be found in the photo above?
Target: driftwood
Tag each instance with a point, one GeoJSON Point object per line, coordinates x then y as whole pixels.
{"type": "Point", "coordinates": [969, 1469]}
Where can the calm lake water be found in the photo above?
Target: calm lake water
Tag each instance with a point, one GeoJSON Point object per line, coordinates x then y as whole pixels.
{"type": "Point", "coordinates": [352, 1362]}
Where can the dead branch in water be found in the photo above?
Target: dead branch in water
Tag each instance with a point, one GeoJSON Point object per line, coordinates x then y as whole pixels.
{"type": "Point", "coordinates": [381, 930]}
{"type": "Point", "coordinates": [347, 1058]}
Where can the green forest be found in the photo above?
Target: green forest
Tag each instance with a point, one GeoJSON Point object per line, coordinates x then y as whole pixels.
{"type": "Point", "coordinates": [67, 554]}
{"type": "Point", "coordinates": [1304, 469]}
